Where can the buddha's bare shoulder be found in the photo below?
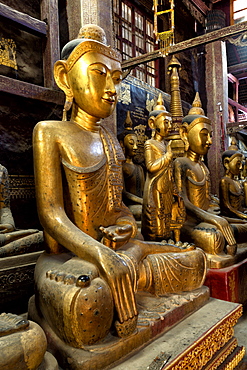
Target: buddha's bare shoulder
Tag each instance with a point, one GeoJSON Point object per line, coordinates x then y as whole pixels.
{"type": "Point", "coordinates": [51, 125]}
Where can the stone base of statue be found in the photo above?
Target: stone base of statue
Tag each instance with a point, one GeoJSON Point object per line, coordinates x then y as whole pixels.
{"type": "Point", "coordinates": [156, 316]}
{"type": "Point", "coordinates": [204, 340]}
{"type": "Point", "coordinates": [17, 281]}
{"type": "Point", "coordinates": [229, 283]}
{"type": "Point", "coordinates": [23, 345]}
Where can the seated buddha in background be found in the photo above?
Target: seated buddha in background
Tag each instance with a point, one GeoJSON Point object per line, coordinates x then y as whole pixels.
{"type": "Point", "coordinates": [86, 281]}
{"type": "Point", "coordinates": [133, 174]}
{"type": "Point", "coordinates": [163, 208]}
{"type": "Point", "coordinates": [232, 200]}
{"type": "Point", "coordinates": [204, 226]}
{"type": "Point", "coordinates": [12, 240]}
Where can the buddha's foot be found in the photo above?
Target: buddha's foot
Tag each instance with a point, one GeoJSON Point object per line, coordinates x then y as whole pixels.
{"type": "Point", "coordinates": [231, 249]}
{"type": "Point", "coordinates": [10, 323]}
{"type": "Point", "coordinates": [185, 247]}
{"type": "Point", "coordinates": [69, 279]}
{"type": "Point", "coordinates": [127, 327]}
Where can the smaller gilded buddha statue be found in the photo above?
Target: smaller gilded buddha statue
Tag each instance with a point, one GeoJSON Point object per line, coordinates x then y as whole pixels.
{"type": "Point", "coordinates": [13, 241]}
{"type": "Point", "coordinates": [232, 200]}
{"type": "Point", "coordinates": [133, 174]}
{"type": "Point", "coordinates": [205, 225]}
{"type": "Point", "coordinates": [163, 208]}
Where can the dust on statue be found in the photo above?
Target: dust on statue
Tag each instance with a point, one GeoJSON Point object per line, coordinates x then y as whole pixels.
{"type": "Point", "coordinates": [96, 282]}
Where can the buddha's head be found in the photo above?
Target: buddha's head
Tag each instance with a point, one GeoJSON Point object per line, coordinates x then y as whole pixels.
{"type": "Point", "coordinates": [128, 138]}
{"type": "Point", "coordinates": [89, 73]}
{"type": "Point", "coordinates": [159, 120]}
{"type": "Point", "coordinates": [196, 129]}
{"type": "Point", "coordinates": [233, 162]}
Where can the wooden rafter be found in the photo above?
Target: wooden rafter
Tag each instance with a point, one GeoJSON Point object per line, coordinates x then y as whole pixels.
{"type": "Point", "coordinates": [221, 34]}
{"type": "Point", "coordinates": [23, 19]}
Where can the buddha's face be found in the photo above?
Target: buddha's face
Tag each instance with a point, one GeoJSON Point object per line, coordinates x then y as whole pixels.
{"type": "Point", "coordinates": [235, 165]}
{"type": "Point", "coordinates": [130, 145]}
{"type": "Point", "coordinates": [163, 124]}
{"type": "Point", "coordinates": [200, 138]}
{"type": "Point", "coordinates": [95, 82]}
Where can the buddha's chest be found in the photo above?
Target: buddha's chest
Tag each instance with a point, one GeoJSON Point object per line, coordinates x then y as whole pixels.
{"type": "Point", "coordinates": [197, 173]}
{"type": "Point", "coordinates": [82, 149]}
{"type": "Point", "coordinates": [235, 188]}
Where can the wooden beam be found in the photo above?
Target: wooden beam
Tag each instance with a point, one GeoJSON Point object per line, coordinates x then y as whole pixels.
{"type": "Point", "coordinates": [49, 11]}
{"type": "Point", "coordinates": [187, 44]}
{"type": "Point", "coordinates": [201, 6]}
{"type": "Point", "coordinates": [237, 67]}
{"type": "Point", "coordinates": [27, 90]}
{"type": "Point", "coordinates": [23, 19]}
{"type": "Point", "coordinates": [237, 105]}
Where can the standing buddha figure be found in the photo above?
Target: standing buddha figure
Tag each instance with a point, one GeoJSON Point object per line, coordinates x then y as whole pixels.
{"type": "Point", "coordinates": [163, 208]}
{"type": "Point", "coordinates": [88, 278]}
{"type": "Point", "coordinates": [204, 226]}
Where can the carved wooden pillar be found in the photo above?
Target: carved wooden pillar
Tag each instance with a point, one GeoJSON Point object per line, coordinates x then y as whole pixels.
{"type": "Point", "coordinates": [217, 106]}
{"type": "Point", "coordinates": [80, 12]}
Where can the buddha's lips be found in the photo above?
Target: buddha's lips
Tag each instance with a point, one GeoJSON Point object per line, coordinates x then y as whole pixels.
{"type": "Point", "coordinates": [109, 100]}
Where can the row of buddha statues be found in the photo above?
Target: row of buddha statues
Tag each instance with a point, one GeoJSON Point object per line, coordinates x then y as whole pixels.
{"type": "Point", "coordinates": [96, 259]}
{"type": "Point", "coordinates": [172, 196]}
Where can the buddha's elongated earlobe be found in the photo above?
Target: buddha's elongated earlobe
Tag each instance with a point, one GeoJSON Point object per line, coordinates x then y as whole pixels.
{"type": "Point", "coordinates": [226, 165]}
{"type": "Point", "coordinates": [61, 77]}
{"type": "Point", "coordinates": [67, 106]}
{"type": "Point", "coordinates": [183, 135]}
{"type": "Point", "coordinates": [151, 124]}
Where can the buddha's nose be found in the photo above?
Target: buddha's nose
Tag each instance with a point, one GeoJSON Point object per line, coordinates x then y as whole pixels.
{"type": "Point", "coordinates": [110, 86]}
{"type": "Point", "coordinates": [209, 141]}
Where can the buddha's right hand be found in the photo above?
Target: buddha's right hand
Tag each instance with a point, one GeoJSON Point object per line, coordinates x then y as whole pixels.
{"type": "Point", "coordinates": [226, 229]}
{"type": "Point", "coordinates": [117, 274]}
{"type": "Point", "coordinates": [169, 151]}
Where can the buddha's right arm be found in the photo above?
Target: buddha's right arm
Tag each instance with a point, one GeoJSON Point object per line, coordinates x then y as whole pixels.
{"type": "Point", "coordinates": [154, 164]}
{"type": "Point", "coordinates": [48, 178]}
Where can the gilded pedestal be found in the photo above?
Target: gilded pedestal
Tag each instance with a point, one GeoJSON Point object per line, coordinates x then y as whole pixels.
{"type": "Point", "coordinates": [205, 340]}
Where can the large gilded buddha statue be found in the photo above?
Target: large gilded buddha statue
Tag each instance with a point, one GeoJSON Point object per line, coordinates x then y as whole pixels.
{"type": "Point", "coordinates": [205, 225]}
{"type": "Point", "coordinates": [88, 278]}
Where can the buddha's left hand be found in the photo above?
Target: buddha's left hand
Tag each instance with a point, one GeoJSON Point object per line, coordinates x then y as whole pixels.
{"type": "Point", "coordinates": [116, 234]}
{"type": "Point", "coordinates": [214, 209]}
{"type": "Point", "coordinates": [6, 228]}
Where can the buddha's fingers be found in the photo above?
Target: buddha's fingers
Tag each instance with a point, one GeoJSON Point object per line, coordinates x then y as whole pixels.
{"type": "Point", "coordinates": [228, 234]}
{"type": "Point", "coordinates": [125, 300]}
{"type": "Point", "coordinates": [130, 301]}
